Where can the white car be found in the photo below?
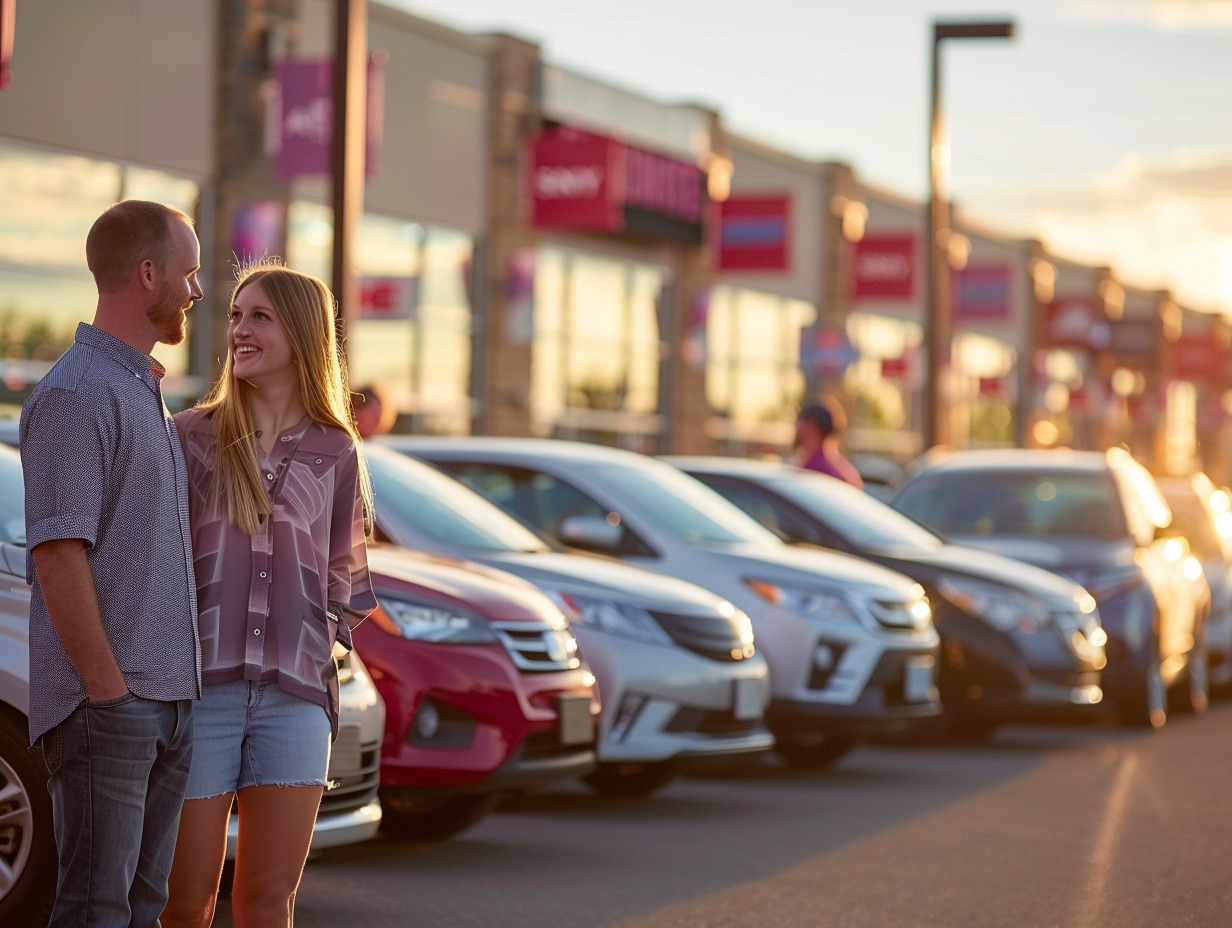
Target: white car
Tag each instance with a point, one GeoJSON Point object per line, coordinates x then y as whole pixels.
{"type": "Point", "coordinates": [349, 813]}
{"type": "Point", "coordinates": [851, 645]}
{"type": "Point", "coordinates": [678, 675]}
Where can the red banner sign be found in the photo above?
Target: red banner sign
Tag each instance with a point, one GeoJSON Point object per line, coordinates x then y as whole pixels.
{"type": "Point", "coordinates": [1199, 356]}
{"type": "Point", "coordinates": [581, 180]}
{"type": "Point", "coordinates": [883, 268]}
{"type": "Point", "coordinates": [754, 233]}
{"type": "Point", "coordinates": [1076, 322]}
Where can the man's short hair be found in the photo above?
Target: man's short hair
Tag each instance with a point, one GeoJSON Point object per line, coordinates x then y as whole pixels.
{"type": "Point", "coordinates": [126, 234]}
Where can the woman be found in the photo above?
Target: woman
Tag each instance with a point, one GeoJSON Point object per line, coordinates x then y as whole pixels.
{"type": "Point", "coordinates": [280, 500]}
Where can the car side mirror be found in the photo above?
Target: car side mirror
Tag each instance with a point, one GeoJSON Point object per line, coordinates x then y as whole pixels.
{"type": "Point", "coordinates": [590, 531]}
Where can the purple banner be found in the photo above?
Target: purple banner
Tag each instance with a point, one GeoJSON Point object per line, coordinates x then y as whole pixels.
{"type": "Point", "coordinates": [301, 117]}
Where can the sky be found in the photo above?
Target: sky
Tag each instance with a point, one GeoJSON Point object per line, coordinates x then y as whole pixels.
{"type": "Point", "coordinates": [1103, 128]}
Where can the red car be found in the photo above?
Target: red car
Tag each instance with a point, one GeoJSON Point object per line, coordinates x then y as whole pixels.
{"type": "Point", "coordinates": [483, 686]}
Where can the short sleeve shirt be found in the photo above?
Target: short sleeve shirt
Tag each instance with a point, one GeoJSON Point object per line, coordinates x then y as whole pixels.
{"type": "Point", "coordinates": [102, 462]}
{"type": "Point", "coordinates": [273, 603]}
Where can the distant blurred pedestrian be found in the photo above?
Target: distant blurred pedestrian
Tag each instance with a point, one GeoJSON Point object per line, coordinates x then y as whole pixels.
{"type": "Point", "coordinates": [113, 617]}
{"type": "Point", "coordinates": [817, 430]}
{"type": "Point", "coordinates": [374, 414]}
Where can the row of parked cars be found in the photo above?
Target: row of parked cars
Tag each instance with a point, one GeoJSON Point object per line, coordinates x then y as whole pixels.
{"type": "Point", "coordinates": [551, 610]}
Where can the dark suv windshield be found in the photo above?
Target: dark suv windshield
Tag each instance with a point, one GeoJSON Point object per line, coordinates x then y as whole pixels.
{"type": "Point", "coordinates": [967, 502]}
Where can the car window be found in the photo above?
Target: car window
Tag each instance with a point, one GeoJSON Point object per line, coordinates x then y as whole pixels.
{"type": "Point", "coordinates": [12, 499]}
{"type": "Point", "coordinates": [681, 506]}
{"type": "Point", "coordinates": [769, 513]}
{"type": "Point", "coordinates": [967, 502]}
{"type": "Point", "coordinates": [861, 520]}
{"type": "Point", "coordinates": [413, 498]}
{"type": "Point", "coordinates": [541, 500]}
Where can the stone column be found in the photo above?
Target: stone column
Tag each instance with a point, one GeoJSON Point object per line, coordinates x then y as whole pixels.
{"type": "Point", "coordinates": [504, 326]}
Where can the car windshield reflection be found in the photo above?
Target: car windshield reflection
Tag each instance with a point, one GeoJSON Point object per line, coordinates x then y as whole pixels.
{"type": "Point", "coordinates": [1026, 503]}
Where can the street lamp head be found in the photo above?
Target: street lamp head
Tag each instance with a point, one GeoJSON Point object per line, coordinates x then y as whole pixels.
{"type": "Point", "coordinates": [1003, 29]}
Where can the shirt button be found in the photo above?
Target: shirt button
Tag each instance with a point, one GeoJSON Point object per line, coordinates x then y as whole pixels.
{"type": "Point", "coordinates": [262, 575]}
{"type": "Point", "coordinates": [286, 437]}
{"type": "Point", "coordinates": [256, 631]}
{"type": "Point", "coordinates": [268, 476]}
{"type": "Point", "coordinates": [318, 460]}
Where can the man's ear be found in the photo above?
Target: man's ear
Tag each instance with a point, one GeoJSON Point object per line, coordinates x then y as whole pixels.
{"type": "Point", "coordinates": [147, 273]}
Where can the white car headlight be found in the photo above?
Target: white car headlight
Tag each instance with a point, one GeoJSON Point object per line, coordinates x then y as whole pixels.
{"type": "Point", "coordinates": [1000, 606]}
{"type": "Point", "coordinates": [812, 603]}
{"type": "Point", "coordinates": [436, 623]}
{"type": "Point", "coordinates": [611, 616]}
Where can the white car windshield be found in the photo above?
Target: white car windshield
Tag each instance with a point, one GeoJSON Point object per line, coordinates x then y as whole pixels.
{"type": "Point", "coordinates": [681, 506]}
{"type": "Point", "coordinates": [415, 500]}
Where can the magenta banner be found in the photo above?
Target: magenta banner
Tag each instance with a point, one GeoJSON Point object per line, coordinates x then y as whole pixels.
{"type": "Point", "coordinates": [301, 118]}
{"type": "Point", "coordinates": [981, 292]}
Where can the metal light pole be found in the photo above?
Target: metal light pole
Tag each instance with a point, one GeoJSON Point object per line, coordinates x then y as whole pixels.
{"type": "Point", "coordinates": [350, 138]}
{"type": "Point", "coordinates": [936, 250]}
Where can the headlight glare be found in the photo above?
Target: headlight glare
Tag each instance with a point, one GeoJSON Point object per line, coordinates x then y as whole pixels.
{"type": "Point", "coordinates": [1001, 607]}
{"type": "Point", "coordinates": [611, 616]}
{"type": "Point", "coordinates": [436, 623]}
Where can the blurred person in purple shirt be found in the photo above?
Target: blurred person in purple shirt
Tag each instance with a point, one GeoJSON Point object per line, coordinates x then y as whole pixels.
{"type": "Point", "coordinates": [281, 507]}
{"type": "Point", "coordinates": [817, 430]}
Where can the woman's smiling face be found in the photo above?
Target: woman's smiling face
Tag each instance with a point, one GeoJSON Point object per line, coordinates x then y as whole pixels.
{"type": "Point", "coordinates": [259, 345]}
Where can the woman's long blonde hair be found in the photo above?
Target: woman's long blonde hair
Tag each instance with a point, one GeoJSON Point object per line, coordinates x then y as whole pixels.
{"type": "Point", "coordinates": [307, 311]}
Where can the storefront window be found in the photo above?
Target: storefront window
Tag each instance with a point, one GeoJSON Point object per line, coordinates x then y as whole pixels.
{"type": "Point", "coordinates": [595, 366]}
{"type": "Point", "coordinates": [424, 362]}
{"type": "Point", "coordinates": [50, 202]}
{"type": "Point", "coordinates": [753, 376]}
{"type": "Point", "coordinates": [883, 386]}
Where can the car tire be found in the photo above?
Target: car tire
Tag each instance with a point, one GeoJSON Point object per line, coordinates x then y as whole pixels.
{"type": "Point", "coordinates": [438, 819]}
{"type": "Point", "coordinates": [812, 749]}
{"type": "Point", "coordinates": [1194, 696]}
{"type": "Point", "coordinates": [630, 779]}
{"type": "Point", "coordinates": [1147, 705]}
{"type": "Point", "coordinates": [27, 840]}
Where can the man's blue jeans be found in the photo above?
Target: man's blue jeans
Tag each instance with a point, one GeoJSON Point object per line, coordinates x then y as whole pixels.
{"type": "Point", "coordinates": [118, 773]}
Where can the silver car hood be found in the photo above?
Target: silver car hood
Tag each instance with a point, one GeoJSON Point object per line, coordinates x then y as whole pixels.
{"type": "Point", "coordinates": [593, 576]}
{"type": "Point", "coordinates": [809, 568]}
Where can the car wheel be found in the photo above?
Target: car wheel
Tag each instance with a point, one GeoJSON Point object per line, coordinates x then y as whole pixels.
{"type": "Point", "coordinates": [1147, 706]}
{"type": "Point", "coordinates": [1195, 696]}
{"type": "Point", "coordinates": [814, 749]}
{"type": "Point", "coordinates": [630, 779]}
{"type": "Point", "coordinates": [438, 819]}
{"type": "Point", "coordinates": [28, 859]}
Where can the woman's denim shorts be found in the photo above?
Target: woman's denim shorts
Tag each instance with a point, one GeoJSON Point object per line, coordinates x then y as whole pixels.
{"type": "Point", "coordinates": [254, 734]}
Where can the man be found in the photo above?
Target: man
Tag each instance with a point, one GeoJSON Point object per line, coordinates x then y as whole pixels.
{"type": "Point", "coordinates": [114, 658]}
{"type": "Point", "coordinates": [817, 429]}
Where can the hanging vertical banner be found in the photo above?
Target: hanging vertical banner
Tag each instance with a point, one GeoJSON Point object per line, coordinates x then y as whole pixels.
{"type": "Point", "coordinates": [257, 230]}
{"type": "Point", "coordinates": [300, 117]}
{"type": "Point", "coordinates": [754, 233]}
{"type": "Point", "coordinates": [8, 26]}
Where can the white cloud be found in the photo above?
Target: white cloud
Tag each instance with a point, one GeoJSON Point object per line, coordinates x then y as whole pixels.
{"type": "Point", "coordinates": [1158, 223]}
{"type": "Point", "coordinates": [1170, 15]}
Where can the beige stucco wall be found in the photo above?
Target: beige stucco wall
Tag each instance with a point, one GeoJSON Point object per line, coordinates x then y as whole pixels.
{"type": "Point", "coordinates": [124, 80]}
